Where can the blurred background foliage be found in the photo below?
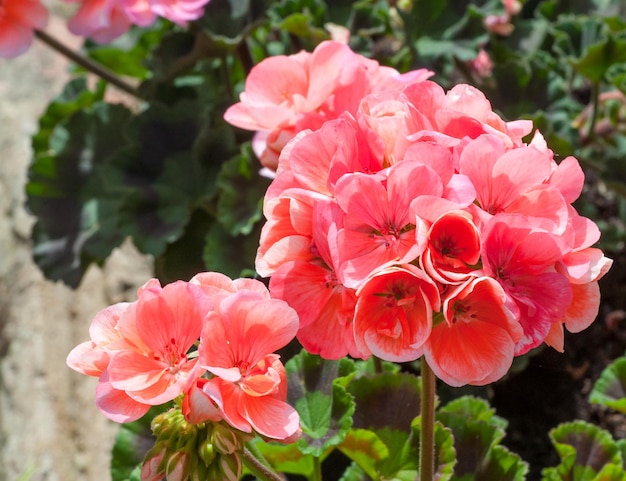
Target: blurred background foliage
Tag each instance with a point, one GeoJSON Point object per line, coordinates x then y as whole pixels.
{"type": "Point", "coordinates": [167, 171]}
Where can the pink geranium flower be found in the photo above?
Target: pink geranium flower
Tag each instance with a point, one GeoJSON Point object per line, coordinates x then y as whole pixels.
{"type": "Point", "coordinates": [522, 258]}
{"type": "Point", "coordinates": [105, 20]}
{"type": "Point", "coordinates": [18, 19]}
{"type": "Point", "coordinates": [378, 229]}
{"type": "Point", "coordinates": [287, 94]}
{"type": "Point", "coordinates": [393, 317]}
{"type": "Point", "coordinates": [475, 343]}
{"type": "Point", "coordinates": [140, 350]}
{"type": "Point", "coordinates": [249, 385]}
{"type": "Point", "coordinates": [101, 20]}
{"type": "Point", "coordinates": [325, 306]}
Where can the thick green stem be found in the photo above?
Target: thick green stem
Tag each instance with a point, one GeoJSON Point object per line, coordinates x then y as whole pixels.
{"type": "Point", "coordinates": [427, 432]}
{"type": "Point", "coordinates": [258, 469]}
{"type": "Point", "coordinates": [317, 469]}
{"type": "Point", "coordinates": [87, 63]}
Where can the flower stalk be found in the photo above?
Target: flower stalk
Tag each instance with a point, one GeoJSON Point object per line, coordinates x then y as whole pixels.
{"type": "Point", "coordinates": [258, 469]}
{"type": "Point", "coordinates": [427, 431]}
{"type": "Point", "coordinates": [87, 63]}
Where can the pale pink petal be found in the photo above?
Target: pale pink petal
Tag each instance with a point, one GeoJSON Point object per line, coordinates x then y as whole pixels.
{"type": "Point", "coordinates": [584, 307]}
{"type": "Point", "coordinates": [271, 417]}
{"type": "Point", "coordinates": [568, 178]}
{"type": "Point", "coordinates": [117, 405]}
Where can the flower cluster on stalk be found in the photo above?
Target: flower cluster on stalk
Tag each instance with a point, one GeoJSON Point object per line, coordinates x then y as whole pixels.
{"type": "Point", "coordinates": [407, 221]}
{"type": "Point", "coordinates": [210, 345]}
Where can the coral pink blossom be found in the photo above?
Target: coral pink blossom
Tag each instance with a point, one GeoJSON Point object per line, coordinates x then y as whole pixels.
{"type": "Point", "coordinates": [92, 359]}
{"type": "Point", "coordinates": [453, 248]}
{"type": "Point", "coordinates": [522, 258]}
{"type": "Point", "coordinates": [166, 323]}
{"type": "Point", "coordinates": [18, 19]}
{"type": "Point", "coordinates": [287, 94]}
{"type": "Point", "coordinates": [393, 317]}
{"type": "Point", "coordinates": [139, 350]}
{"type": "Point", "coordinates": [475, 344]}
{"type": "Point", "coordinates": [325, 306]}
{"type": "Point", "coordinates": [378, 229]}
{"type": "Point", "coordinates": [237, 345]}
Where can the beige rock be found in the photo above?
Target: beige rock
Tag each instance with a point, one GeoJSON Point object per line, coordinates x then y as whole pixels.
{"type": "Point", "coordinates": [50, 428]}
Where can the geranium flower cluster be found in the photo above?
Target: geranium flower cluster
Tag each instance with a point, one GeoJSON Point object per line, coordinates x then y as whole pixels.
{"type": "Point", "coordinates": [105, 20]}
{"type": "Point", "coordinates": [101, 20]}
{"type": "Point", "coordinates": [421, 224]}
{"type": "Point", "coordinates": [287, 94]}
{"type": "Point", "coordinates": [211, 341]}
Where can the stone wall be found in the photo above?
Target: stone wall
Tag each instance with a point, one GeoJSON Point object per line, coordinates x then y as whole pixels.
{"type": "Point", "coordinates": [49, 427]}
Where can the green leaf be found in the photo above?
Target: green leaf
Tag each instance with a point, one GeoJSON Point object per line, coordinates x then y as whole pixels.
{"type": "Point", "coordinates": [366, 449]}
{"type": "Point", "coordinates": [477, 431]}
{"type": "Point", "coordinates": [72, 228]}
{"type": "Point", "coordinates": [324, 406]}
{"type": "Point", "coordinates": [286, 458]}
{"type": "Point", "coordinates": [75, 97]}
{"type": "Point", "coordinates": [598, 58]}
{"type": "Point", "coordinates": [386, 400]}
{"type": "Point", "coordinates": [610, 389]}
{"type": "Point", "coordinates": [233, 256]}
{"type": "Point", "coordinates": [444, 454]}
{"type": "Point", "coordinates": [584, 450]}
{"type": "Point", "coordinates": [611, 472]}
{"type": "Point", "coordinates": [240, 190]}
{"type": "Point", "coordinates": [354, 473]}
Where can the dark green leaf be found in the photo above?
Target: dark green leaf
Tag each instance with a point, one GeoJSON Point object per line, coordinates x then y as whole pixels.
{"type": "Point", "coordinates": [386, 400]}
{"type": "Point", "coordinates": [324, 406]}
{"type": "Point", "coordinates": [241, 190]}
{"type": "Point", "coordinates": [584, 450]}
{"type": "Point", "coordinates": [610, 388]}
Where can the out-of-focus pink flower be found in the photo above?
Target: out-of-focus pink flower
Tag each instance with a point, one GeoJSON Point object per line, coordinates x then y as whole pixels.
{"type": "Point", "coordinates": [18, 19]}
{"type": "Point", "coordinates": [249, 385]}
{"type": "Point", "coordinates": [100, 20]}
{"type": "Point", "coordinates": [179, 11]}
{"type": "Point", "coordinates": [105, 20]}
{"type": "Point", "coordinates": [482, 65]}
{"type": "Point", "coordinates": [499, 24]}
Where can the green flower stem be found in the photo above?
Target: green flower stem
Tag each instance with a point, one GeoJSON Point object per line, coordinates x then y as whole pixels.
{"type": "Point", "coordinates": [317, 469]}
{"type": "Point", "coordinates": [258, 469]}
{"type": "Point", "coordinates": [427, 432]}
{"type": "Point", "coordinates": [87, 63]}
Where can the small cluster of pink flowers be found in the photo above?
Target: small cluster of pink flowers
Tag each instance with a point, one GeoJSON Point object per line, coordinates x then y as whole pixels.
{"type": "Point", "coordinates": [211, 340]}
{"type": "Point", "coordinates": [418, 223]}
{"type": "Point", "coordinates": [101, 20]}
{"type": "Point", "coordinates": [105, 20]}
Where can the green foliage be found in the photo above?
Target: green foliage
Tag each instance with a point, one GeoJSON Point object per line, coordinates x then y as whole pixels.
{"type": "Point", "coordinates": [588, 453]}
{"type": "Point", "coordinates": [477, 432]}
{"type": "Point", "coordinates": [324, 405]}
{"type": "Point", "coordinates": [131, 443]}
{"type": "Point", "coordinates": [610, 389]}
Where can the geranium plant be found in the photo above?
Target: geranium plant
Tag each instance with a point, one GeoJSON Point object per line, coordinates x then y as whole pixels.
{"type": "Point", "coordinates": [388, 186]}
